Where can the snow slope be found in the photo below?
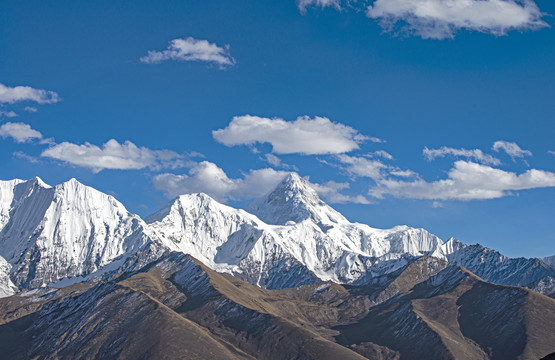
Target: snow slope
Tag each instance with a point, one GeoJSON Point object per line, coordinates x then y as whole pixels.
{"type": "Point", "coordinates": [49, 233]}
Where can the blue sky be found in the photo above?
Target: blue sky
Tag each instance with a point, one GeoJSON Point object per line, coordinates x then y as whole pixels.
{"type": "Point", "coordinates": [428, 113]}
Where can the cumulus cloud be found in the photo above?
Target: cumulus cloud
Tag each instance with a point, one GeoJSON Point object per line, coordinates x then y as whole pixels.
{"type": "Point", "coordinates": [207, 177]}
{"type": "Point", "coordinates": [303, 4]}
{"type": "Point", "coordinates": [511, 148]}
{"type": "Point", "coordinates": [475, 154]}
{"type": "Point", "coordinates": [303, 136]}
{"type": "Point", "coordinates": [113, 155]}
{"type": "Point", "coordinates": [466, 181]}
{"type": "Point", "coordinates": [19, 132]}
{"type": "Point", "coordinates": [15, 94]}
{"type": "Point", "coordinates": [9, 114]}
{"type": "Point", "coordinates": [439, 19]}
{"type": "Point", "coordinates": [191, 49]}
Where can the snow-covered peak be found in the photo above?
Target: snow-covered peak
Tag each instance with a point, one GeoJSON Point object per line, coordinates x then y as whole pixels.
{"type": "Point", "coordinates": [198, 203]}
{"type": "Point", "coordinates": [294, 200]}
{"type": "Point", "coordinates": [49, 233]}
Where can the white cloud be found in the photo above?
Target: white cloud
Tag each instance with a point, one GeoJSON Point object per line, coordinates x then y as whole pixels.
{"type": "Point", "coordinates": [551, 152]}
{"type": "Point", "coordinates": [208, 178]}
{"type": "Point", "coordinates": [22, 155]}
{"type": "Point", "coordinates": [363, 167]}
{"type": "Point", "coordinates": [466, 181]}
{"type": "Point", "coordinates": [382, 154]}
{"type": "Point", "coordinates": [439, 19]}
{"type": "Point", "coordinates": [11, 95]}
{"type": "Point", "coordinates": [330, 191]}
{"type": "Point", "coordinates": [276, 162]}
{"type": "Point", "coordinates": [190, 49]}
{"type": "Point", "coordinates": [437, 204]}
{"type": "Point", "coordinates": [475, 154]}
{"type": "Point", "coordinates": [20, 132]}
{"type": "Point", "coordinates": [113, 155]}
{"type": "Point", "coordinates": [511, 148]}
{"type": "Point", "coordinates": [304, 135]}
{"type": "Point", "coordinates": [272, 160]}
{"type": "Point", "coordinates": [303, 4]}
{"type": "Point", "coordinates": [30, 109]}
{"type": "Point", "coordinates": [403, 173]}
{"type": "Point", "coordinates": [9, 114]}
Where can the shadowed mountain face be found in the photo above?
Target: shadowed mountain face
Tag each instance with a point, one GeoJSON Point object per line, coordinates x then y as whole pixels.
{"type": "Point", "coordinates": [177, 307]}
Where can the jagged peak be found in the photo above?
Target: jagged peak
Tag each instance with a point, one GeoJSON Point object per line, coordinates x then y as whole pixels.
{"type": "Point", "coordinates": [37, 180]}
{"type": "Point", "coordinates": [199, 201]}
{"type": "Point", "coordinates": [293, 200]}
{"type": "Point", "coordinates": [296, 185]}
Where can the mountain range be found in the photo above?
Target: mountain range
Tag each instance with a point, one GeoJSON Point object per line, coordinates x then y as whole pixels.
{"type": "Point", "coordinates": [286, 277]}
{"type": "Point", "coordinates": [290, 237]}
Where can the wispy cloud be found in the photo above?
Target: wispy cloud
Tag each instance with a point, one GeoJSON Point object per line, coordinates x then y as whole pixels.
{"type": "Point", "coordinates": [303, 4]}
{"type": "Point", "coordinates": [30, 109]}
{"type": "Point", "coordinates": [331, 192]}
{"type": "Point", "coordinates": [24, 156]}
{"type": "Point", "coordinates": [19, 132]}
{"type": "Point", "coordinates": [9, 114]}
{"type": "Point", "coordinates": [191, 49]}
{"type": "Point", "coordinates": [305, 136]}
{"type": "Point", "coordinates": [381, 153]}
{"type": "Point", "coordinates": [15, 94]}
{"type": "Point", "coordinates": [113, 155]}
{"type": "Point", "coordinates": [439, 19]}
{"type": "Point", "coordinates": [276, 162]}
{"type": "Point", "coordinates": [363, 167]}
{"type": "Point", "coordinates": [511, 148]}
{"type": "Point", "coordinates": [476, 154]}
{"type": "Point", "coordinates": [466, 181]}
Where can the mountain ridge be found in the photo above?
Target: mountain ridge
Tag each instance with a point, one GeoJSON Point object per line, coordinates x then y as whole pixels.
{"type": "Point", "coordinates": [93, 234]}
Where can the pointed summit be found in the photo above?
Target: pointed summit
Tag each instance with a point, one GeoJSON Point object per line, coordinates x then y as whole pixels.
{"type": "Point", "coordinates": [294, 200]}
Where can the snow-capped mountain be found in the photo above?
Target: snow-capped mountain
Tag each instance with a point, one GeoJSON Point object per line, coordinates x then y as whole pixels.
{"type": "Point", "coordinates": [50, 233]}
{"type": "Point", "coordinates": [291, 237]}
{"type": "Point", "coordinates": [494, 267]}
{"type": "Point", "coordinates": [287, 238]}
{"type": "Point", "coordinates": [228, 240]}
{"type": "Point", "coordinates": [290, 232]}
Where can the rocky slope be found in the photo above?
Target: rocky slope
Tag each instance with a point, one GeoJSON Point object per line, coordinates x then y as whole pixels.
{"type": "Point", "coordinates": [179, 308]}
